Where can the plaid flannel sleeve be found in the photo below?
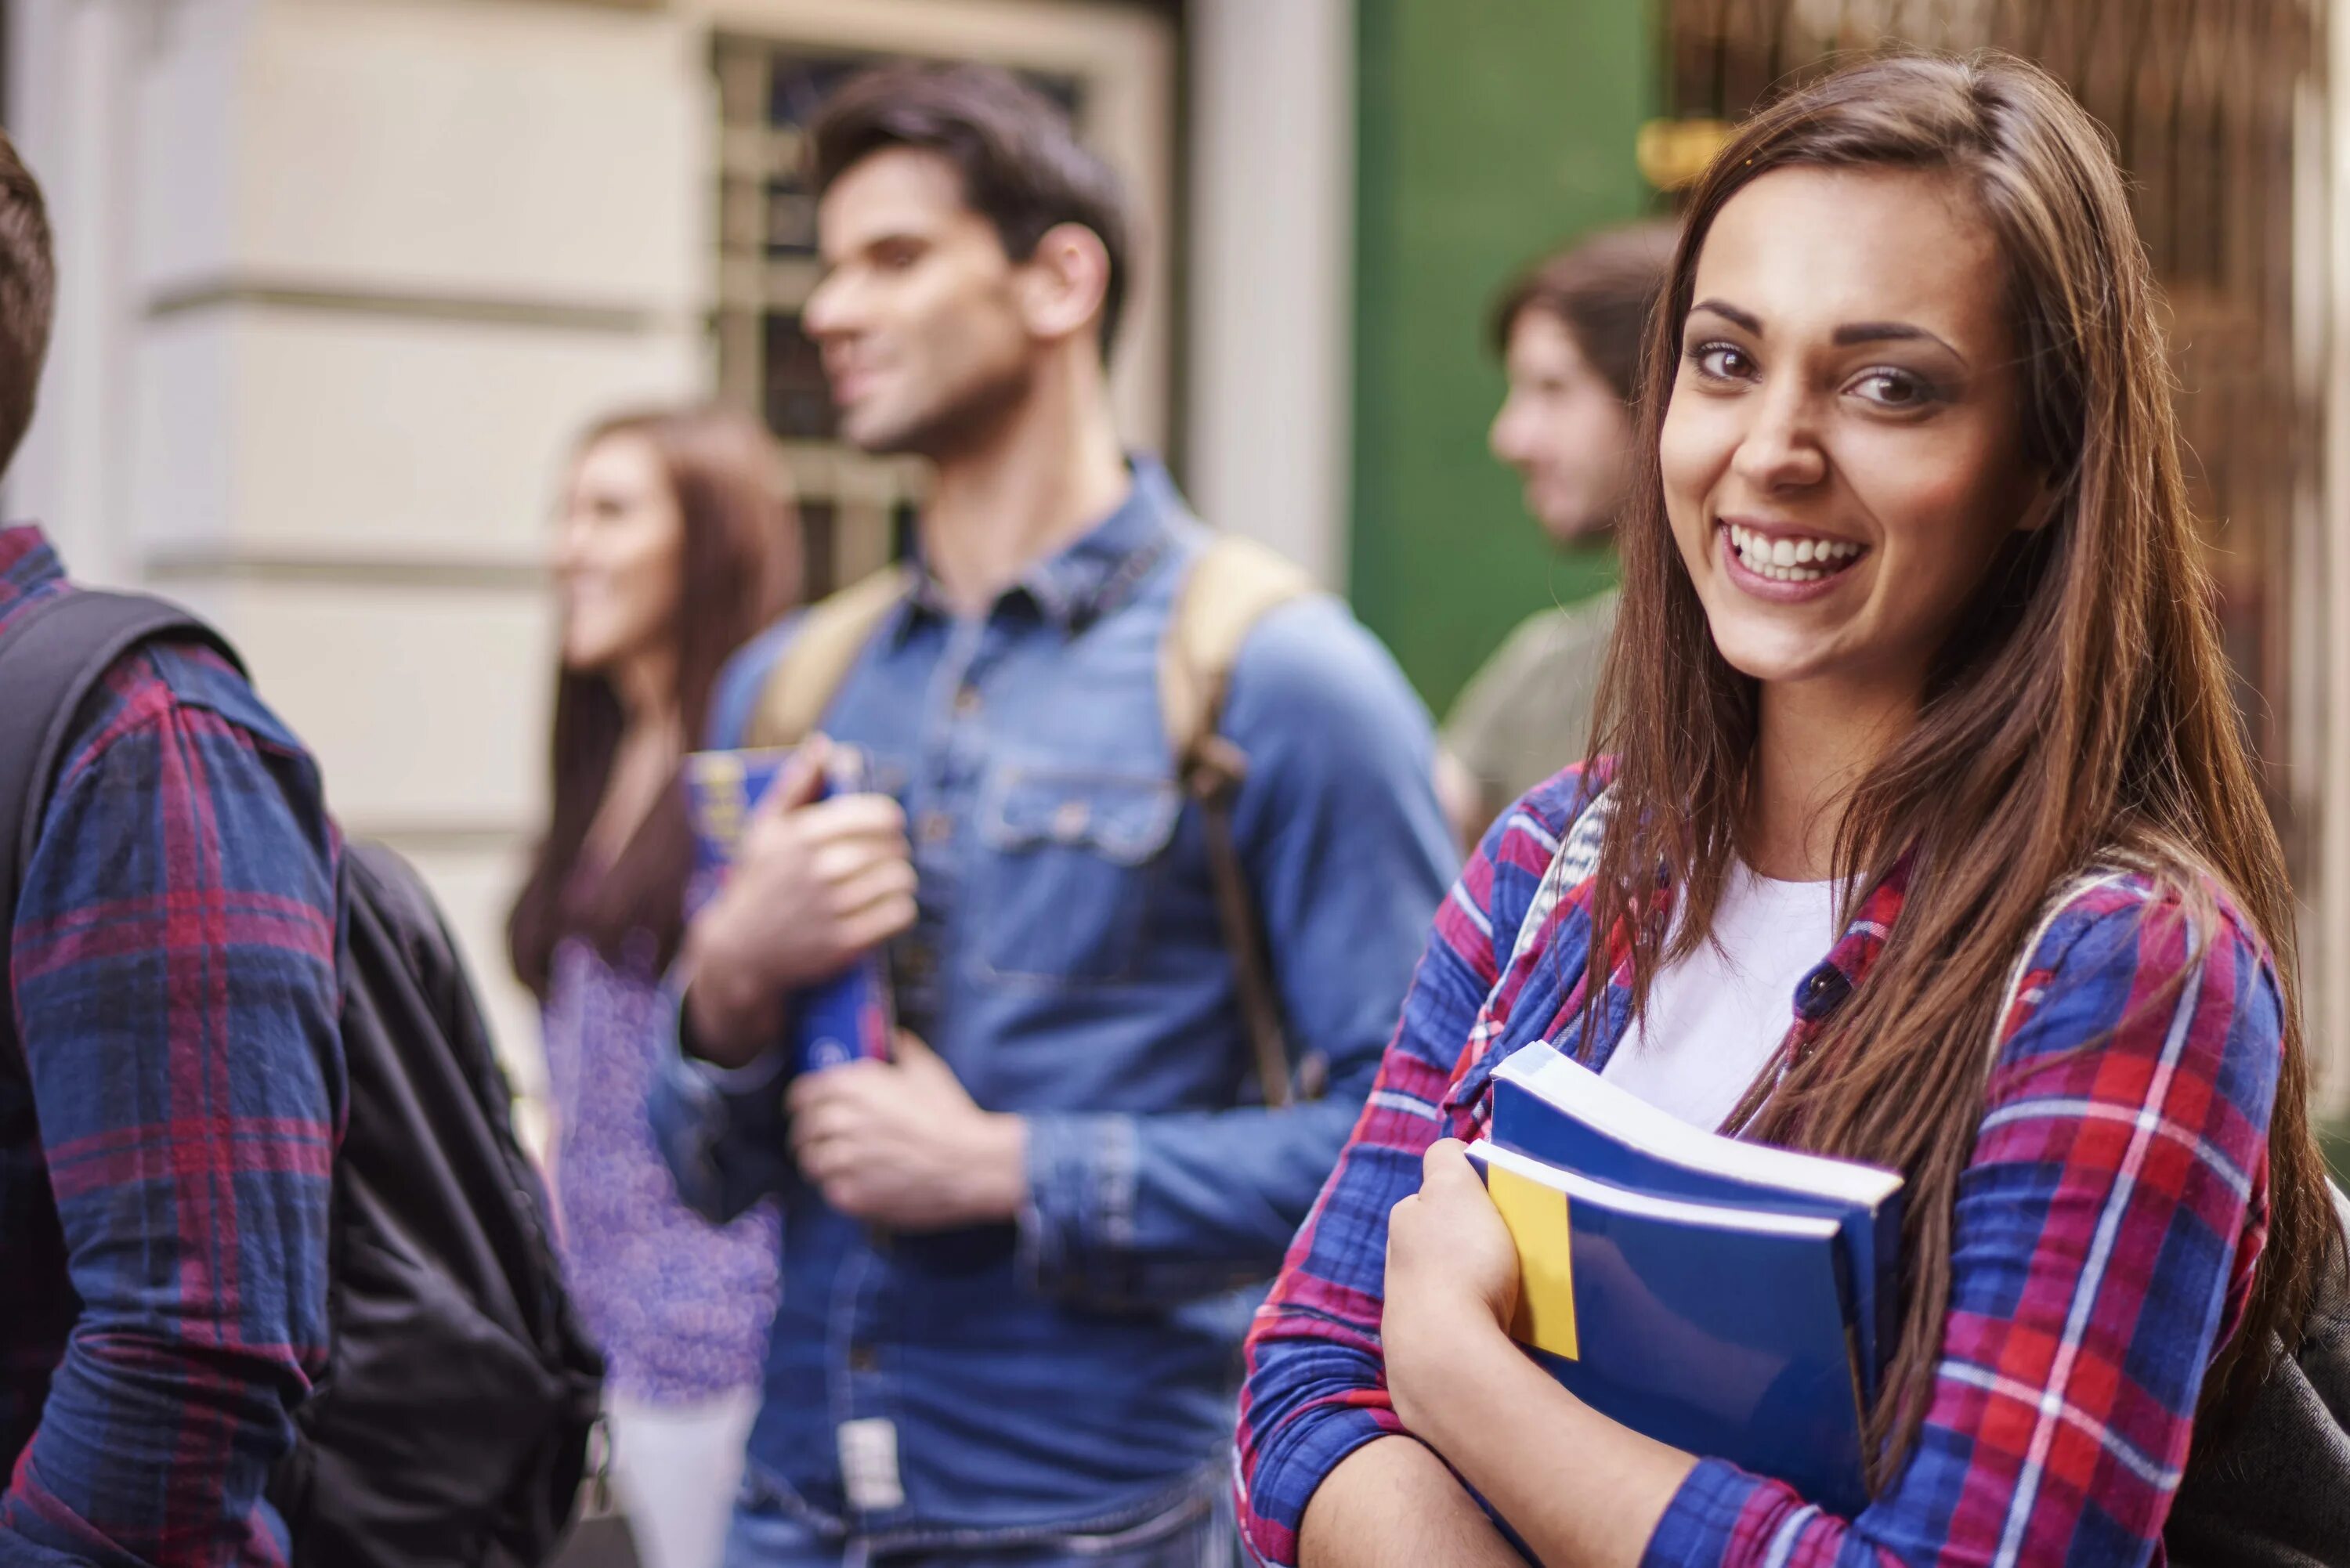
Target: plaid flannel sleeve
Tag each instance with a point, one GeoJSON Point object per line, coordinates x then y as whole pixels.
{"type": "Point", "coordinates": [2105, 1237]}
{"type": "Point", "coordinates": [174, 957]}
{"type": "Point", "coordinates": [1316, 1388]}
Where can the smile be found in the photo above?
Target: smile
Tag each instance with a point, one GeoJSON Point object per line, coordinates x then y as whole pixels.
{"type": "Point", "coordinates": [1790, 557]}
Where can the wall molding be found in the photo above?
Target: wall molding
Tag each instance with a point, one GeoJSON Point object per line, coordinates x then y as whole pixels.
{"type": "Point", "coordinates": [245, 562]}
{"type": "Point", "coordinates": [412, 304]}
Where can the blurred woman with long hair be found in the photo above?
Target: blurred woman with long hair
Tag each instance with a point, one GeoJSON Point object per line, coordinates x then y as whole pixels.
{"type": "Point", "coordinates": [676, 544]}
{"type": "Point", "coordinates": [1925, 833]}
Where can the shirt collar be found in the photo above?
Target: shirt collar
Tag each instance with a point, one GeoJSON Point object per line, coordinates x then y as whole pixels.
{"type": "Point", "coordinates": [1075, 586]}
{"type": "Point", "coordinates": [28, 563]}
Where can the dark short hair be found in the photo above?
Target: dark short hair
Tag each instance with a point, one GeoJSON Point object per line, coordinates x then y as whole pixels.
{"type": "Point", "coordinates": [1023, 168]}
{"type": "Point", "coordinates": [28, 275]}
{"type": "Point", "coordinates": [1602, 288]}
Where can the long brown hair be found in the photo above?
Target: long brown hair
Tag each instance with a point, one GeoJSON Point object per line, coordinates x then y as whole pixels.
{"type": "Point", "coordinates": [2081, 709]}
{"type": "Point", "coordinates": [740, 566]}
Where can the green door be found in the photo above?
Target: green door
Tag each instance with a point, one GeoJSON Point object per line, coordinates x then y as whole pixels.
{"type": "Point", "coordinates": [1490, 130]}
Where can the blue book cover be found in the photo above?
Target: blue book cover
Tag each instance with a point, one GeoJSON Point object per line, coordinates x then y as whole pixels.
{"type": "Point", "coordinates": [843, 1019]}
{"type": "Point", "coordinates": [1553, 1109]}
{"type": "Point", "coordinates": [1718, 1329]}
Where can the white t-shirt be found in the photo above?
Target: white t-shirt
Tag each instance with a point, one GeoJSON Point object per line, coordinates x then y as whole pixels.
{"type": "Point", "coordinates": [1715, 1017]}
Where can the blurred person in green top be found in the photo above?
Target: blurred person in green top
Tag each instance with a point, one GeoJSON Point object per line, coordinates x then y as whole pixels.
{"type": "Point", "coordinates": [1569, 331]}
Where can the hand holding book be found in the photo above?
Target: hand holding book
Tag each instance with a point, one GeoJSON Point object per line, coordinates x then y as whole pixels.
{"type": "Point", "coordinates": [800, 874]}
{"type": "Point", "coordinates": [1716, 1296]}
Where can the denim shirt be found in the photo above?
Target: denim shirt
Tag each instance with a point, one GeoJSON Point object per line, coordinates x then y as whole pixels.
{"type": "Point", "coordinates": [1076, 1370]}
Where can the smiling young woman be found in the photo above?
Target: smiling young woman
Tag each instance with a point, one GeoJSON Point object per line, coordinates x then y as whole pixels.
{"type": "Point", "coordinates": [1916, 715]}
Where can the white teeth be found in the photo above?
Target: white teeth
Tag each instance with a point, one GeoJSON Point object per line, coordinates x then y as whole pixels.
{"type": "Point", "coordinates": [1789, 560]}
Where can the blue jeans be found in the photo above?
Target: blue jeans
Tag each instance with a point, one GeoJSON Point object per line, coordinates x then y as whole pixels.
{"type": "Point", "coordinates": [1198, 1535]}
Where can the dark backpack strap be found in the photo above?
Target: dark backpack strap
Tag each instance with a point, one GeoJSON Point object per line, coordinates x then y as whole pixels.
{"type": "Point", "coordinates": [52, 656]}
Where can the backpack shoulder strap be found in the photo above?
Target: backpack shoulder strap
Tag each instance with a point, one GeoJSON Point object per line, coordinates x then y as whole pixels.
{"type": "Point", "coordinates": [51, 659]}
{"type": "Point", "coordinates": [819, 656]}
{"type": "Point", "coordinates": [1233, 583]}
{"type": "Point", "coordinates": [52, 656]}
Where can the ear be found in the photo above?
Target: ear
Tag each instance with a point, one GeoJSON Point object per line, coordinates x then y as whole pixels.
{"type": "Point", "coordinates": [1064, 284]}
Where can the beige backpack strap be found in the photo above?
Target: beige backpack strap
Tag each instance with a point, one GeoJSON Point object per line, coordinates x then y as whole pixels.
{"type": "Point", "coordinates": [1233, 583]}
{"type": "Point", "coordinates": [818, 658]}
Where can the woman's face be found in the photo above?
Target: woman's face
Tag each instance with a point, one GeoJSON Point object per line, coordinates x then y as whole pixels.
{"type": "Point", "coordinates": [1564, 429]}
{"type": "Point", "coordinates": [1843, 454]}
{"type": "Point", "coordinates": [619, 548]}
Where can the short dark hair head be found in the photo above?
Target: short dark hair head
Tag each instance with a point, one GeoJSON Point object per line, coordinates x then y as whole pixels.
{"type": "Point", "coordinates": [1602, 288]}
{"type": "Point", "coordinates": [1023, 168]}
{"type": "Point", "coordinates": [27, 295]}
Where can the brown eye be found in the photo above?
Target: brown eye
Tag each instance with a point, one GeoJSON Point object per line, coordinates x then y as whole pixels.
{"type": "Point", "coordinates": [1721, 361]}
{"type": "Point", "coordinates": [1892, 388]}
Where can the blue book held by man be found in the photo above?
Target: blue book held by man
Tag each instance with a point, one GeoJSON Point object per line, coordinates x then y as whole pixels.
{"type": "Point", "coordinates": [1552, 1108]}
{"type": "Point", "coordinates": [1721, 1331]}
{"type": "Point", "coordinates": [847, 1018]}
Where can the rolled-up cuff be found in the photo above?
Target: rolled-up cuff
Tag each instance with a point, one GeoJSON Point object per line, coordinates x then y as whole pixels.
{"type": "Point", "coordinates": [720, 1131]}
{"type": "Point", "coordinates": [1271, 1494]}
{"type": "Point", "coordinates": [1079, 1217]}
{"type": "Point", "coordinates": [1704, 1519]}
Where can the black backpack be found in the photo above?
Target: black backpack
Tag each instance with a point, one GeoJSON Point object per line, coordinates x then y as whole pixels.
{"type": "Point", "coordinates": [452, 1427]}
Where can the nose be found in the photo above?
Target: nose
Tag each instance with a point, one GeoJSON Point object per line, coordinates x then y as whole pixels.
{"type": "Point", "coordinates": [826, 313]}
{"type": "Point", "coordinates": [1507, 438]}
{"type": "Point", "coordinates": [569, 553]}
{"type": "Point", "coordinates": [1780, 449]}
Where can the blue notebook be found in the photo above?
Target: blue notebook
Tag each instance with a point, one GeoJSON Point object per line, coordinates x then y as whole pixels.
{"type": "Point", "coordinates": [1553, 1109]}
{"type": "Point", "coordinates": [845, 1019]}
{"type": "Point", "coordinates": [1718, 1329]}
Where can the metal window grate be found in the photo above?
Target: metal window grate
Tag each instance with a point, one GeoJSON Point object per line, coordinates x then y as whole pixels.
{"type": "Point", "coordinates": [854, 509]}
{"type": "Point", "coordinates": [2205, 99]}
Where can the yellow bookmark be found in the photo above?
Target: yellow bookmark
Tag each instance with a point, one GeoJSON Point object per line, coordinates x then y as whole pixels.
{"type": "Point", "coordinates": [1536, 1216]}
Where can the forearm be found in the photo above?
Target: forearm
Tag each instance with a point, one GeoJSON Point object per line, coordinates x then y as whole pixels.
{"type": "Point", "coordinates": [1167, 1208]}
{"type": "Point", "coordinates": [1392, 1504]}
{"type": "Point", "coordinates": [731, 1012]}
{"type": "Point", "coordinates": [1582, 1490]}
{"type": "Point", "coordinates": [151, 1452]}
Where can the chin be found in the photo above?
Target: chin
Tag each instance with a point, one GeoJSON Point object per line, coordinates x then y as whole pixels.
{"type": "Point", "coordinates": [1769, 655]}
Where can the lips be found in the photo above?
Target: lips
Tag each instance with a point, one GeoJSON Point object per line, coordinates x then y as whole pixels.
{"type": "Point", "coordinates": [1787, 557]}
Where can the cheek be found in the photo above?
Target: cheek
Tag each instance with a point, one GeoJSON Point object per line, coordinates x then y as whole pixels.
{"type": "Point", "coordinates": [650, 574]}
{"type": "Point", "coordinates": [1692, 449]}
{"type": "Point", "coordinates": [1945, 513]}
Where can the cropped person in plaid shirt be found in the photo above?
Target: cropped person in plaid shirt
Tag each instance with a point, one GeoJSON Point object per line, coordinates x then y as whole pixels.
{"type": "Point", "coordinates": [1913, 616]}
{"type": "Point", "coordinates": [170, 1084]}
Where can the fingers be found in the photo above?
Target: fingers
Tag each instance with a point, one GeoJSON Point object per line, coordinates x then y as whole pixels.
{"type": "Point", "coordinates": [842, 865]}
{"type": "Point", "coordinates": [1446, 1165]}
{"type": "Point", "coordinates": [800, 781]}
{"type": "Point", "coordinates": [853, 817]}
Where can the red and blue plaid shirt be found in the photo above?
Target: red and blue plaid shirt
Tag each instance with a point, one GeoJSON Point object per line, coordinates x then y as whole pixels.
{"type": "Point", "coordinates": [2105, 1229]}
{"type": "Point", "coordinates": [167, 1129]}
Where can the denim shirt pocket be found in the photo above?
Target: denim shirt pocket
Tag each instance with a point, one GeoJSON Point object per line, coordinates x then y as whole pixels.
{"type": "Point", "coordinates": [1065, 882]}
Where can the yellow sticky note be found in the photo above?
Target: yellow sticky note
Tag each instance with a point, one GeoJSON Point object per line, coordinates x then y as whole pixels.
{"type": "Point", "coordinates": [1536, 1216]}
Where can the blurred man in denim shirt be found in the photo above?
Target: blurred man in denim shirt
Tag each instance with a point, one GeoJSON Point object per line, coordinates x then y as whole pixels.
{"type": "Point", "coordinates": [1016, 1256]}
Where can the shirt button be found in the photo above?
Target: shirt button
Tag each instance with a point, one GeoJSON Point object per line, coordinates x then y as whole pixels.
{"type": "Point", "coordinates": [1070, 820]}
{"type": "Point", "coordinates": [967, 703]}
{"type": "Point", "coordinates": [1824, 988]}
{"type": "Point", "coordinates": [936, 827]}
{"type": "Point", "coordinates": [862, 1357]}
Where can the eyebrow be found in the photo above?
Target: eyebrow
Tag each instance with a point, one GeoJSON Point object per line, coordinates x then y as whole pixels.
{"type": "Point", "coordinates": [1730, 313]}
{"type": "Point", "coordinates": [1857, 332]}
{"type": "Point", "coordinates": [1847, 335]}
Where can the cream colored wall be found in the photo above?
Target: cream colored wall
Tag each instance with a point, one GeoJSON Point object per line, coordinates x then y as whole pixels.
{"type": "Point", "coordinates": [373, 262]}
